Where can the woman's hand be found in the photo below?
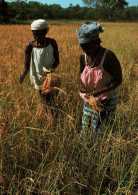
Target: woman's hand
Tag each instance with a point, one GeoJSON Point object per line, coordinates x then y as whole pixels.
{"type": "Point", "coordinates": [21, 78]}
{"type": "Point", "coordinates": [87, 95]}
{"type": "Point", "coordinates": [95, 93]}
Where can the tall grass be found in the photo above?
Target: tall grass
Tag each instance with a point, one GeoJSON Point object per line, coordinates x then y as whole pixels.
{"type": "Point", "coordinates": [41, 148]}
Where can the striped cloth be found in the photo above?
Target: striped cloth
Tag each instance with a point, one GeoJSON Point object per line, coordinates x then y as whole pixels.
{"type": "Point", "coordinates": [99, 120]}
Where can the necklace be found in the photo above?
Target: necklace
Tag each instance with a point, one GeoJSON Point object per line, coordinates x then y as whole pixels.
{"type": "Point", "coordinates": [40, 44]}
{"type": "Point", "coordinates": [95, 59]}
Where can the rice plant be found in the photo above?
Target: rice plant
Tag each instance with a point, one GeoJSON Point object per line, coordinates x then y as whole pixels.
{"type": "Point", "coordinates": [42, 151]}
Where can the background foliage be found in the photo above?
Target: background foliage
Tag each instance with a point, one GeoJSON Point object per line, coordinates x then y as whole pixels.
{"type": "Point", "coordinates": [13, 12]}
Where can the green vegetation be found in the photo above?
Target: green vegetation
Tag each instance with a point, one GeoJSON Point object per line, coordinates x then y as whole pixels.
{"type": "Point", "coordinates": [12, 12]}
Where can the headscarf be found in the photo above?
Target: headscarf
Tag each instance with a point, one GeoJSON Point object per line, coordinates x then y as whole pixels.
{"type": "Point", "coordinates": [89, 32]}
{"type": "Point", "coordinates": [39, 24]}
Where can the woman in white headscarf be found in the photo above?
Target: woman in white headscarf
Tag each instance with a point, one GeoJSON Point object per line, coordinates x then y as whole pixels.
{"type": "Point", "coordinates": [40, 53]}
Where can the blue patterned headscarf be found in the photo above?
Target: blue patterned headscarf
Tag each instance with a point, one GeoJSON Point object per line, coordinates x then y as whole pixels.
{"type": "Point", "coordinates": [89, 32]}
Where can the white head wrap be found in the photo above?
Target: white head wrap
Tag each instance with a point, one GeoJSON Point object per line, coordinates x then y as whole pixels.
{"type": "Point", "coordinates": [39, 24]}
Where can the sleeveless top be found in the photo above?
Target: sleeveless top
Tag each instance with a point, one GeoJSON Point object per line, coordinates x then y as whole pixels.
{"type": "Point", "coordinates": [96, 78]}
{"type": "Point", "coordinates": [40, 57]}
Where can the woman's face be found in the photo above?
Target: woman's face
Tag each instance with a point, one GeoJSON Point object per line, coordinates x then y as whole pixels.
{"type": "Point", "coordinates": [89, 48]}
{"type": "Point", "coordinates": [39, 35]}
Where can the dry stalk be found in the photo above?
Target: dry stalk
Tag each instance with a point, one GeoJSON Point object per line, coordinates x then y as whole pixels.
{"type": "Point", "coordinates": [95, 104]}
{"type": "Point", "coordinates": [52, 82]}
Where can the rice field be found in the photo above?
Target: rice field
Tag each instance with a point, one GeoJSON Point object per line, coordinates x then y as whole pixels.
{"type": "Point", "coordinates": [41, 151]}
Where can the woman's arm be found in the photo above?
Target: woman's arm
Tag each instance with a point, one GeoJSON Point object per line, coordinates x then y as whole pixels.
{"type": "Point", "coordinates": [55, 53]}
{"type": "Point", "coordinates": [82, 66]}
{"type": "Point", "coordinates": [28, 51]}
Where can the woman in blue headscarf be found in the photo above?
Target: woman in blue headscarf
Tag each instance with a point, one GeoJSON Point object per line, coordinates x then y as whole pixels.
{"type": "Point", "coordinates": [100, 75]}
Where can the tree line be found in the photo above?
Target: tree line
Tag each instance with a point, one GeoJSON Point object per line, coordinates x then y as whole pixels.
{"type": "Point", "coordinates": [12, 12]}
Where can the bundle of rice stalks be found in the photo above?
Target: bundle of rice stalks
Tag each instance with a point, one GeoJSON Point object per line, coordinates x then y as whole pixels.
{"type": "Point", "coordinates": [96, 105]}
{"type": "Point", "coordinates": [52, 82]}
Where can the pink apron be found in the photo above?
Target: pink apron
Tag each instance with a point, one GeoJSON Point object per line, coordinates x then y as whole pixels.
{"type": "Point", "coordinates": [94, 79]}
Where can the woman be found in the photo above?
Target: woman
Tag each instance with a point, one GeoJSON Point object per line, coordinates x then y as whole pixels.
{"type": "Point", "coordinates": [39, 53]}
{"type": "Point", "coordinates": [100, 75]}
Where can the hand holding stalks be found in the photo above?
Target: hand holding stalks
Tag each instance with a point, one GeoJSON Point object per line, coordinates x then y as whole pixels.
{"type": "Point", "coordinates": [95, 104]}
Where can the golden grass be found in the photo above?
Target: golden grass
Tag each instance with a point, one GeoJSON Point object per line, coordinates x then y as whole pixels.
{"type": "Point", "coordinates": [41, 148]}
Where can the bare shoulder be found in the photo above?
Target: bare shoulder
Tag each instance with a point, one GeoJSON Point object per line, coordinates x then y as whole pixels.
{"type": "Point", "coordinates": [82, 56]}
{"type": "Point", "coordinates": [51, 41]}
{"type": "Point", "coordinates": [111, 63]}
{"type": "Point", "coordinates": [82, 62]}
{"type": "Point", "coordinates": [31, 43]}
{"type": "Point", "coordinates": [29, 46]}
{"type": "Point", "coordinates": [111, 56]}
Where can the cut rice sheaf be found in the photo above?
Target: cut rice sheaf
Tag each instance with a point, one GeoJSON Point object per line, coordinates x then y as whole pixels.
{"type": "Point", "coordinates": [96, 105]}
{"type": "Point", "coordinates": [52, 82]}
